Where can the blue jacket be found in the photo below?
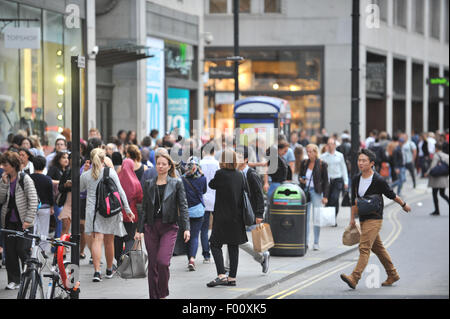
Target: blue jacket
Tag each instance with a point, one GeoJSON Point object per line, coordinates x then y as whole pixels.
{"type": "Point", "coordinates": [195, 197]}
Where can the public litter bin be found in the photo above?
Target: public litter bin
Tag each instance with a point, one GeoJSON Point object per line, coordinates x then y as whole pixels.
{"type": "Point", "coordinates": [287, 219]}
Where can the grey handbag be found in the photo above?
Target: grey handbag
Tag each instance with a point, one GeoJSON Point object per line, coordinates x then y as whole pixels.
{"type": "Point", "coordinates": [134, 263]}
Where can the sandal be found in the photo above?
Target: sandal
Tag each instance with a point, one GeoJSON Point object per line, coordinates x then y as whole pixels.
{"type": "Point", "coordinates": [218, 282]}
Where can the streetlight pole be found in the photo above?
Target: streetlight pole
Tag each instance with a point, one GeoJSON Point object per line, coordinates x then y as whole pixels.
{"type": "Point", "coordinates": [236, 48]}
{"type": "Point", "coordinates": [355, 88]}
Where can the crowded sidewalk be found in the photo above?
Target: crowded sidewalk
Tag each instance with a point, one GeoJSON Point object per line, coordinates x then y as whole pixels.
{"type": "Point", "coordinates": [192, 285]}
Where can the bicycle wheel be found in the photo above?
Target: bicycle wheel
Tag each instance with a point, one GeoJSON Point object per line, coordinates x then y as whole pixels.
{"type": "Point", "coordinates": [25, 286]}
{"type": "Point", "coordinates": [31, 286]}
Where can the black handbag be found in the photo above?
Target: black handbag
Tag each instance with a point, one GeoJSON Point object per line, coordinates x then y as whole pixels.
{"type": "Point", "coordinates": [441, 169]}
{"type": "Point", "coordinates": [248, 214]}
{"type": "Point", "coordinates": [346, 200]}
{"type": "Point", "coordinates": [369, 204]}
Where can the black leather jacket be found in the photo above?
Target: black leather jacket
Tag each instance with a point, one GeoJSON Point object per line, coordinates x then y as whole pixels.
{"type": "Point", "coordinates": [174, 206]}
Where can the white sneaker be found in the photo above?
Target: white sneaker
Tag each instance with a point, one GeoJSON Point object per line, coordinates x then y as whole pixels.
{"type": "Point", "coordinates": [12, 286]}
{"type": "Point", "coordinates": [316, 247]}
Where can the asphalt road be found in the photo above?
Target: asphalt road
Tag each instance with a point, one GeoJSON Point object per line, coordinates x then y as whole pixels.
{"type": "Point", "coordinates": [419, 246]}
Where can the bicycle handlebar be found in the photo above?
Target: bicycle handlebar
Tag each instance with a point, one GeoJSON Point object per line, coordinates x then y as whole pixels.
{"type": "Point", "coordinates": [27, 235]}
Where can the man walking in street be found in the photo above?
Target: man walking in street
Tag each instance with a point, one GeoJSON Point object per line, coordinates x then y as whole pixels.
{"type": "Point", "coordinates": [409, 151]}
{"type": "Point", "coordinates": [337, 172]}
{"type": "Point", "coordinates": [370, 185]}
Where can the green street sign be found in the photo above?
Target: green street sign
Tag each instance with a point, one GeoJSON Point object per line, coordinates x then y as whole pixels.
{"type": "Point", "coordinates": [438, 81]}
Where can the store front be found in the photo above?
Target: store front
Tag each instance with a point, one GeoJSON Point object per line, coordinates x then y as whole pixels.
{"type": "Point", "coordinates": [291, 73]}
{"type": "Point", "coordinates": [35, 86]}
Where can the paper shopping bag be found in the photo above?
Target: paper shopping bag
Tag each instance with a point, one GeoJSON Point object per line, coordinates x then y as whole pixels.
{"type": "Point", "coordinates": [351, 235]}
{"type": "Point", "coordinates": [262, 238]}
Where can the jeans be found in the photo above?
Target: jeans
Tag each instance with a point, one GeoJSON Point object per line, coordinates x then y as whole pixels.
{"type": "Point", "coordinates": [196, 226]}
{"type": "Point", "coordinates": [401, 179]}
{"type": "Point", "coordinates": [272, 188]}
{"type": "Point", "coordinates": [313, 207]}
{"type": "Point", "coordinates": [248, 248]}
{"type": "Point", "coordinates": [336, 187]}
{"type": "Point", "coordinates": [204, 235]}
{"type": "Point", "coordinates": [58, 228]}
{"type": "Point", "coordinates": [410, 167]}
{"type": "Point", "coordinates": [41, 226]}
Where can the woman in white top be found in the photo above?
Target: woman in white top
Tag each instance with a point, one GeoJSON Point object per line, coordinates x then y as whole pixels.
{"type": "Point", "coordinates": [105, 228]}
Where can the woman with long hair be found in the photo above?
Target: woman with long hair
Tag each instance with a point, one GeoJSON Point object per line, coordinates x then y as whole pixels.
{"type": "Point", "coordinates": [104, 229]}
{"type": "Point", "coordinates": [163, 206]}
{"type": "Point", "coordinates": [314, 180]}
{"type": "Point", "coordinates": [228, 224]}
{"type": "Point", "coordinates": [133, 190]}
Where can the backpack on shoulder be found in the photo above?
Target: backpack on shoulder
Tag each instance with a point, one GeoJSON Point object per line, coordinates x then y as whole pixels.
{"type": "Point", "coordinates": [108, 202]}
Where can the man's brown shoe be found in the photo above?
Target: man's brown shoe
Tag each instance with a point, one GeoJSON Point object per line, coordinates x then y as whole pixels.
{"type": "Point", "coordinates": [390, 280]}
{"type": "Point", "coordinates": [349, 280]}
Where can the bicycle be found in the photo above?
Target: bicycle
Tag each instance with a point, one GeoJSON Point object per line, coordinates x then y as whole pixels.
{"type": "Point", "coordinates": [60, 286]}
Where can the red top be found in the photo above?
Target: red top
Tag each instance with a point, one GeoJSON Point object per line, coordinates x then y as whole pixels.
{"type": "Point", "coordinates": [132, 188]}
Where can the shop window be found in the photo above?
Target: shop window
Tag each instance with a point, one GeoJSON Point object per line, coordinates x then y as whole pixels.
{"type": "Point", "coordinates": [244, 6]}
{"type": "Point", "coordinates": [218, 6]}
{"type": "Point", "coordinates": [272, 6]}
{"type": "Point", "coordinates": [9, 79]}
{"type": "Point", "coordinates": [180, 60]}
{"type": "Point", "coordinates": [30, 77]}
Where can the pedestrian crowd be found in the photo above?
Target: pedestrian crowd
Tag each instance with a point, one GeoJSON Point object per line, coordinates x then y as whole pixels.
{"type": "Point", "coordinates": [196, 201]}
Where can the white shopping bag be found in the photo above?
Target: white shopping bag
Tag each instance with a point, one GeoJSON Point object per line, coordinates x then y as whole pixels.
{"type": "Point", "coordinates": [324, 216]}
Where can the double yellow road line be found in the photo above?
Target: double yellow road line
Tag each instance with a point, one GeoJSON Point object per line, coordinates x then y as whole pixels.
{"type": "Point", "coordinates": [392, 237]}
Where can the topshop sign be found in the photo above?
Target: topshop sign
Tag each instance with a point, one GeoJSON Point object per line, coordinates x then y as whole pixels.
{"type": "Point", "coordinates": [22, 38]}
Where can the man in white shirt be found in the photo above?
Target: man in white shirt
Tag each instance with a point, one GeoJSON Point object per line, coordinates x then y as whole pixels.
{"type": "Point", "coordinates": [209, 165]}
{"type": "Point", "coordinates": [337, 172]}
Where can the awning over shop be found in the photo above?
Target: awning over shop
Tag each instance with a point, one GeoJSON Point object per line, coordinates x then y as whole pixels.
{"type": "Point", "coordinates": [121, 53]}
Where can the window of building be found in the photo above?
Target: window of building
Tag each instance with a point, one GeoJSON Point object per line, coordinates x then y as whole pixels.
{"type": "Point", "coordinates": [244, 6]}
{"type": "Point", "coordinates": [218, 6]}
{"type": "Point", "coordinates": [272, 6]}
{"type": "Point", "coordinates": [435, 18]}
{"type": "Point", "coordinates": [288, 73]}
{"type": "Point", "coordinates": [35, 87]}
{"type": "Point", "coordinates": [400, 13]}
{"type": "Point", "coordinates": [446, 26]}
{"type": "Point", "coordinates": [180, 60]}
{"type": "Point", "coordinates": [418, 15]}
{"type": "Point", "coordinates": [382, 5]}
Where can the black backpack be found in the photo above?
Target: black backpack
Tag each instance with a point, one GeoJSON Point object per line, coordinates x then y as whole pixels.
{"type": "Point", "coordinates": [108, 202]}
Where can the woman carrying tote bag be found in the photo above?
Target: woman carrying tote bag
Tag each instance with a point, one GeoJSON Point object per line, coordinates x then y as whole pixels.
{"type": "Point", "coordinates": [314, 181]}
{"type": "Point", "coordinates": [164, 199]}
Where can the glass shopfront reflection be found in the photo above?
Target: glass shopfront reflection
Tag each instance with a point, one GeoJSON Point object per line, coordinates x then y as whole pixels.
{"type": "Point", "coordinates": [288, 73]}
{"type": "Point", "coordinates": [35, 82]}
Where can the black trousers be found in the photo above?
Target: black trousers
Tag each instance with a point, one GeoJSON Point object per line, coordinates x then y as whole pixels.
{"type": "Point", "coordinates": [410, 167]}
{"type": "Point", "coordinates": [336, 187]}
{"type": "Point", "coordinates": [127, 239]}
{"type": "Point", "coordinates": [435, 197]}
{"type": "Point", "coordinates": [16, 248]}
{"type": "Point", "coordinates": [233, 250]}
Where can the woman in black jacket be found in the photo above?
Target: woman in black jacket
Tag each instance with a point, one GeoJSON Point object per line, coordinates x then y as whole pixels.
{"type": "Point", "coordinates": [164, 199]}
{"type": "Point", "coordinates": [228, 223]}
{"type": "Point", "coordinates": [314, 180]}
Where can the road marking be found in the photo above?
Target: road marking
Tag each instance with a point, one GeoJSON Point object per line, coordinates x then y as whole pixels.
{"type": "Point", "coordinates": [392, 237]}
{"type": "Point", "coordinates": [304, 282]}
{"type": "Point", "coordinates": [282, 272]}
{"type": "Point", "coordinates": [343, 266]}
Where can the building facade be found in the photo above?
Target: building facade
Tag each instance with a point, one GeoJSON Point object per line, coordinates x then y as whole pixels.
{"type": "Point", "coordinates": [162, 91]}
{"type": "Point", "coordinates": [301, 51]}
{"type": "Point", "coordinates": [35, 86]}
